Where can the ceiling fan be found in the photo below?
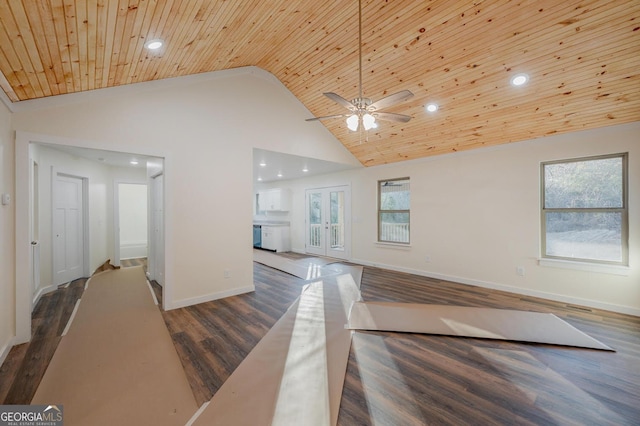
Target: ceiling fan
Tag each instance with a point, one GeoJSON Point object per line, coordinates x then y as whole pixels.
{"type": "Point", "coordinates": [363, 110]}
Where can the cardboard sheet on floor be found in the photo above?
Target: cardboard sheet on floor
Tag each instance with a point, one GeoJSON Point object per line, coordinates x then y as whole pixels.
{"type": "Point", "coordinates": [309, 268]}
{"type": "Point", "coordinates": [463, 321]}
{"type": "Point", "coordinates": [295, 374]}
{"type": "Point", "coordinates": [117, 364]}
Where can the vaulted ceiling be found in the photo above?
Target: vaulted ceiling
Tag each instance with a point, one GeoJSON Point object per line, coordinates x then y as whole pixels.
{"type": "Point", "coordinates": [582, 57]}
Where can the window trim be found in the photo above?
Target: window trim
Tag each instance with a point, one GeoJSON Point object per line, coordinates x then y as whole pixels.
{"type": "Point", "coordinates": [380, 212]}
{"type": "Point", "coordinates": [624, 211]}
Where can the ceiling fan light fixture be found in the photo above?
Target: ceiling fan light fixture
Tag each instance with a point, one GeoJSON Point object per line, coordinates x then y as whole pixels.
{"type": "Point", "coordinates": [369, 121]}
{"type": "Point", "coordinates": [352, 122]}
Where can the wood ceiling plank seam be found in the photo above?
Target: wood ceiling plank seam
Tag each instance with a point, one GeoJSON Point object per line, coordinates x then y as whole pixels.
{"type": "Point", "coordinates": [147, 33]}
{"type": "Point", "coordinates": [204, 45]}
{"type": "Point", "coordinates": [589, 76]}
{"type": "Point", "coordinates": [217, 29]}
{"type": "Point", "coordinates": [116, 50]}
{"type": "Point", "coordinates": [327, 39]}
{"type": "Point", "coordinates": [128, 38]}
{"type": "Point", "coordinates": [253, 39]}
{"type": "Point", "coordinates": [6, 87]}
{"type": "Point", "coordinates": [15, 86]}
{"type": "Point", "coordinates": [160, 15]}
{"type": "Point", "coordinates": [15, 75]}
{"type": "Point", "coordinates": [49, 37]}
{"type": "Point", "coordinates": [366, 55]}
{"type": "Point", "coordinates": [83, 38]}
{"type": "Point", "coordinates": [238, 33]}
{"type": "Point", "coordinates": [195, 43]}
{"type": "Point", "coordinates": [178, 66]}
{"type": "Point", "coordinates": [92, 42]}
{"type": "Point", "coordinates": [36, 42]}
{"type": "Point", "coordinates": [107, 22]}
{"type": "Point", "coordinates": [530, 69]}
{"type": "Point", "coordinates": [59, 23]}
{"type": "Point", "coordinates": [72, 37]}
{"type": "Point", "coordinates": [17, 40]}
{"type": "Point", "coordinates": [42, 46]}
{"type": "Point", "coordinates": [170, 66]}
{"type": "Point", "coordinates": [139, 36]}
{"type": "Point", "coordinates": [162, 67]}
{"type": "Point", "coordinates": [470, 132]}
{"type": "Point", "coordinates": [472, 52]}
{"type": "Point", "coordinates": [387, 89]}
{"type": "Point", "coordinates": [268, 31]}
{"type": "Point", "coordinates": [227, 46]}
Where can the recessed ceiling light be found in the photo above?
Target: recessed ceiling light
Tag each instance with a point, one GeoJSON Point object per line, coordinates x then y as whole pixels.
{"type": "Point", "coordinates": [134, 162]}
{"type": "Point", "coordinates": [263, 164]}
{"type": "Point", "coordinates": [519, 79]}
{"type": "Point", "coordinates": [432, 107]}
{"type": "Point", "coordinates": [154, 44]}
{"type": "Point", "coordinates": [305, 170]}
{"type": "Point", "coordinates": [259, 179]}
{"type": "Point", "coordinates": [279, 174]}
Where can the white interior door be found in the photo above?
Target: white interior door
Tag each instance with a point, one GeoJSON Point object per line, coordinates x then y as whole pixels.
{"type": "Point", "coordinates": [68, 229]}
{"type": "Point", "coordinates": [156, 258]}
{"type": "Point", "coordinates": [328, 230]}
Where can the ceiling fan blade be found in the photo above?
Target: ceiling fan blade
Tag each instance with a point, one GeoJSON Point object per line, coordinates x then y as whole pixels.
{"type": "Point", "coordinates": [326, 117]}
{"type": "Point", "coordinates": [390, 100]}
{"type": "Point", "coordinates": [340, 100]}
{"type": "Point", "coordinates": [391, 116]}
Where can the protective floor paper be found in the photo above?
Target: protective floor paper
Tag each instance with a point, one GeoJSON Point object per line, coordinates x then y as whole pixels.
{"type": "Point", "coordinates": [117, 364]}
{"type": "Point", "coordinates": [309, 268]}
{"type": "Point", "coordinates": [463, 321]}
{"type": "Point", "coordinates": [295, 374]}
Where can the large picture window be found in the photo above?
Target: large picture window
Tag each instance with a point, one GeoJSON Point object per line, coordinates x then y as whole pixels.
{"type": "Point", "coordinates": [394, 203]}
{"type": "Point", "coordinates": [584, 209]}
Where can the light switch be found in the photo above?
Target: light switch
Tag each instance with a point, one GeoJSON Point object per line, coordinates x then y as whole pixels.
{"type": "Point", "coordinates": [6, 199]}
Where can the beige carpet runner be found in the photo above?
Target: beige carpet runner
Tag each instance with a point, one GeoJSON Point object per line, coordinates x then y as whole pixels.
{"type": "Point", "coordinates": [117, 365]}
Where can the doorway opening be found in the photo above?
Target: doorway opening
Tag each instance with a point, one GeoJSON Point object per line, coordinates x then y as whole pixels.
{"type": "Point", "coordinates": [131, 221]}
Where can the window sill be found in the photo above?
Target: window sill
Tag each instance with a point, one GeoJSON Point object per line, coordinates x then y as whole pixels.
{"type": "Point", "coordinates": [398, 246]}
{"type": "Point", "coordinates": [583, 266]}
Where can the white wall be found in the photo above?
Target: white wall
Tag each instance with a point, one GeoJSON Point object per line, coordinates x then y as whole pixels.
{"type": "Point", "coordinates": [205, 127]}
{"type": "Point", "coordinates": [101, 206]}
{"type": "Point", "coordinates": [132, 203]}
{"type": "Point", "coordinates": [477, 216]}
{"type": "Point", "coordinates": [7, 235]}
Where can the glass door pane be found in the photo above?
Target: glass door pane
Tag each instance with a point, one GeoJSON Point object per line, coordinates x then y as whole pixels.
{"type": "Point", "coordinates": [315, 220]}
{"type": "Point", "coordinates": [336, 226]}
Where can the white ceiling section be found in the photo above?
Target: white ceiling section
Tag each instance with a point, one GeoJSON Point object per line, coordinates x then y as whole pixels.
{"type": "Point", "coordinates": [289, 166]}
{"type": "Point", "coordinates": [109, 158]}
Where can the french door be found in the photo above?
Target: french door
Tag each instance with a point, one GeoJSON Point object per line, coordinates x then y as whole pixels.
{"type": "Point", "coordinates": [328, 222]}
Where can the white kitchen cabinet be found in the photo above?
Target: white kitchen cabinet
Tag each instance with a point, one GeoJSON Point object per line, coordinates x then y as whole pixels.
{"type": "Point", "coordinates": [277, 199]}
{"type": "Point", "coordinates": [276, 238]}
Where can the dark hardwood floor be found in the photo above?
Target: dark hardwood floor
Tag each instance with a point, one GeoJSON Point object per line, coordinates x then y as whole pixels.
{"type": "Point", "coordinates": [414, 379]}
{"type": "Point", "coordinates": [25, 364]}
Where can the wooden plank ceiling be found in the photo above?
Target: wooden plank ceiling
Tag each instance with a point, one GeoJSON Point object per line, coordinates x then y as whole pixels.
{"type": "Point", "coordinates": [582, 56]}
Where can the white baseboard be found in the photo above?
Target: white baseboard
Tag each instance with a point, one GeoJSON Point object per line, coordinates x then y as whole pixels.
{"type": "Point", "coordinates": [628, 310]}
{"type": "Point", "coordinates": [42, 292]}
{"type": "Point", "coordinates": [4, 350]}
{"type": "Point", "coordinates": [210, 297]}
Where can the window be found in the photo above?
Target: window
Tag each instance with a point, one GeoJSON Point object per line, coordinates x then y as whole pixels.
{"type": "Point", "coordinates": [584, 209]}
{"type": "Point", "coordinates": [394, 200]}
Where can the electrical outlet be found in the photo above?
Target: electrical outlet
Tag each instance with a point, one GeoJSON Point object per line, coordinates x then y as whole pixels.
{"type": "Point", "coordinates": [427, 259]}
{"type": "Point", "coordinates": [520, 271]}
{"type": "Point", "coordinates": [227, 273]}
